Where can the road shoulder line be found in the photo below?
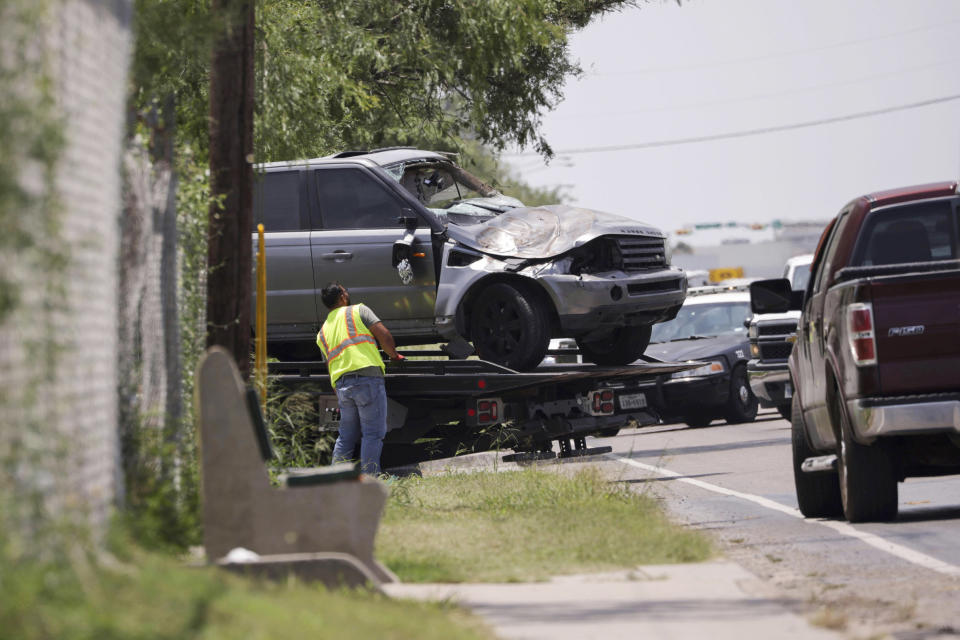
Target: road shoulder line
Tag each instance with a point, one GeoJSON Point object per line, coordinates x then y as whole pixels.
{"type": "Point", "coordinates": [843, 528]}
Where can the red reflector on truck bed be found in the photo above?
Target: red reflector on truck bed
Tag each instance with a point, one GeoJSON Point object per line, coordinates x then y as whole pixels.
{"type": "Point", "coordinates": [486, 411]}
{"type": "Point", "coordinates": [601, 402]}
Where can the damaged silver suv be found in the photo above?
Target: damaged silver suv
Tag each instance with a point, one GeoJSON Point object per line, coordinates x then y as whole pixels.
{"type": "Point", "coordinates": [438, 255]}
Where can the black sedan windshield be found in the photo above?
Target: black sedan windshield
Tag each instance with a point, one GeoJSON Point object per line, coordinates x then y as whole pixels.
{"type": "Point", "coordinates": [702, 320]}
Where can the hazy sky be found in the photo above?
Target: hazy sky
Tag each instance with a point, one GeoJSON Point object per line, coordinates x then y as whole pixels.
{"type": "Point", "coordinates": [663, 72]}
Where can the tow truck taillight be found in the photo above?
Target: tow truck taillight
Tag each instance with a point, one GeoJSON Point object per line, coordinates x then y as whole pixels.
{"type": "Point", "coordinates": [860, 332]}
{"type": "Point", "coordinates": [601, 402]}
{"type": "Point", "coordinates": [488, 411]}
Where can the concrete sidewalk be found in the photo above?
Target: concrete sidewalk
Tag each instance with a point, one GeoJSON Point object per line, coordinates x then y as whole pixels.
{"type": "Point", "coordinates": [715, 600]}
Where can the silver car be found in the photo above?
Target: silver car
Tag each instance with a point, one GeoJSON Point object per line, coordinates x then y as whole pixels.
{"type": "Point", "coordinates": [439, 255]}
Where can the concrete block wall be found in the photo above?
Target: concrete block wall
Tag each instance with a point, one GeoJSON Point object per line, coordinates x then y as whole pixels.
{"type": "Point", "coordinates": [88, 47]}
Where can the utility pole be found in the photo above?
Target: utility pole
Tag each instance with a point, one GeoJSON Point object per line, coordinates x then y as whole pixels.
{"type": "Point", "coordinates": [229, 253]}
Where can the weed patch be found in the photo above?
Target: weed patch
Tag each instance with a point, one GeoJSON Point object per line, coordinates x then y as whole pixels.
{"type": "Point", "coordinates": [524, 525]}
{"type": "Point", "coordinates": [148, 595]}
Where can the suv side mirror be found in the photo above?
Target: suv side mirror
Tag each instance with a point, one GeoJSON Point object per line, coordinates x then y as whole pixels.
{"type": "Point", "coordinates": [402, 248]}
{"type": "Point", "coordinates": [774, 296]}
{"type": "Point", "coordinates": [408, 219]}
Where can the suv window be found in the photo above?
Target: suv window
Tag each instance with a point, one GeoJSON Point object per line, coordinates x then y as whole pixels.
{"type": "Point", "coordinates": [351, 199]}
{"type": "Point", "coordinates": [912, 233]}
{"type": "Point", "coordinates": [276, 201]}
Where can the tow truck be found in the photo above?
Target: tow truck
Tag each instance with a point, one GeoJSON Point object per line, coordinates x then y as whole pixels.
{"type": "Point", "coordinates": [440, 408]}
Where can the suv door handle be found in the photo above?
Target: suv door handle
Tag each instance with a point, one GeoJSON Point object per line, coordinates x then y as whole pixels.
{"type": "Point", "coordinates": [337, 256]}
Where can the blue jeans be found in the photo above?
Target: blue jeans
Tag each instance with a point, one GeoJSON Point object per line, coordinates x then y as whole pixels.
{"type": "Point", "coordinates": [363, 419]}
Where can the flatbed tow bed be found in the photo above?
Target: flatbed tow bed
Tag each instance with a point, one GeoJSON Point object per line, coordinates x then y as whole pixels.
{"type": "Point", "coordinates": [442, 408]}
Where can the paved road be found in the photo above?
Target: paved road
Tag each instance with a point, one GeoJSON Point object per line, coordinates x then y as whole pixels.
{"type": "Point", "coordinates": [901, 578]}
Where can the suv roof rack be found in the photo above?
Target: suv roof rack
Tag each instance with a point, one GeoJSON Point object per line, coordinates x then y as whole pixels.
{"type": "Point", "coordinates": [362, 152]}
{"type": "Point", "coordinates": [389, 149]}
{"type": "Point", "coordinates": [350, 154]}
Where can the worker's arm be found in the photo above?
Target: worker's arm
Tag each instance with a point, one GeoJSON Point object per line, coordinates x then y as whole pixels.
{"type": "Point", "coordinates": [383, 336]}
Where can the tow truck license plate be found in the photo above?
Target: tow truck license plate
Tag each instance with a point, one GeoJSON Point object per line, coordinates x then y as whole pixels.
{"type": "Point", "coordinates": [633, 401]}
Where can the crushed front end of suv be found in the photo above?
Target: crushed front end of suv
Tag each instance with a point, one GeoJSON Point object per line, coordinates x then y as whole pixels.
{"type": "Point", "coordinates": [438, 254]}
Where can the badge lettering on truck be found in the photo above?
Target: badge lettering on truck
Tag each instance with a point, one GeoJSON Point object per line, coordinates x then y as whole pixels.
{"type": "Point", "coordinates": [914, 330]}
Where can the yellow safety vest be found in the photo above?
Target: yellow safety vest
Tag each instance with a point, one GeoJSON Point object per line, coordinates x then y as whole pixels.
{"type": "Point", "coordinates": [354, 347]}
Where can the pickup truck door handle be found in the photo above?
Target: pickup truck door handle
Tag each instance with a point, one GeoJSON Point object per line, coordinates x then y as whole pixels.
{"type": "Point", "coordinates": [338, 256]}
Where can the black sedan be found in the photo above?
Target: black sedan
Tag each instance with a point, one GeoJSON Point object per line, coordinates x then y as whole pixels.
{"type": "Point", "coordinates": [709, 328]}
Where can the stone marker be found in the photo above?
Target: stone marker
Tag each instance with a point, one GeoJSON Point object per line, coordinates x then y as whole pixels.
{"type": "Point", "coordinates": [242, 509]}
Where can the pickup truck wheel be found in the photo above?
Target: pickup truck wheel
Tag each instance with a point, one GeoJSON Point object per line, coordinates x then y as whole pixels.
{"type": "Point", "coordinates": [818, 494]}
{"type": "Point", "coordinates": [509, 327]}
{"type": "Point", "coordinates": [623, 346]}
{"type": "Point", "coordinates": [868, 486]}
{"type": "Point", "coordinates": [742, 405]}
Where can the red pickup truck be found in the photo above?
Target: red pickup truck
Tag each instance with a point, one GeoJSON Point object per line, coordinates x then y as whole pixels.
{"type": "Point", "coordinates": [875, 369]}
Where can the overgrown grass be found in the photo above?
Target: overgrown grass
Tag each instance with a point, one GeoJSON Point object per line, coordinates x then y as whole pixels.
{"type": "Point", "coordinates": [525, 525]}
{"type": "Point", "coordinates": [147, 595]}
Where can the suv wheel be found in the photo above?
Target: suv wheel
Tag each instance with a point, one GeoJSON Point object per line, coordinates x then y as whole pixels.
{"type": "Point", "coordinates": [509, 327]}
{"type": "Point", "coordinates": [741, 403]}
{"type": "Point", "coordinates": [623, 346]}
{"type": "Point", "coordinates": [818, 494]}
{"type": "Point", "coordinates": [868, 486]}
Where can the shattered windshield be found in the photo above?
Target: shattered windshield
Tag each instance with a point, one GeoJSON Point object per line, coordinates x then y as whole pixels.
{"type": "Point", "coordinates": [453, 194]}
{"type": "Point", "coordinates": [703, 320]}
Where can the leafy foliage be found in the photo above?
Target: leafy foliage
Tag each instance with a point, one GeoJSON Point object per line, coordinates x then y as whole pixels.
{"type": "Point", "coordinates": [293, 422]}
{"type": "Point", "coordinates": [31, 138]}
{"type": "Point", "coordinates": [33, 266]}
{"type": "Point", "coordinates": [370, 73]}
{"type": "Point", "coordinates": [337, 74]}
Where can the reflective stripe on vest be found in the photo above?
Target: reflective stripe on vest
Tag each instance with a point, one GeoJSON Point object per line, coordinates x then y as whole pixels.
{"type": "Point", "coordinates": [349, 342]}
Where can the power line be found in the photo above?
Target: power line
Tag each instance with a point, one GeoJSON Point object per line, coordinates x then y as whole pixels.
{"type": "Point", "coordinates": [747, 132]}
{"type": "Point", "coordinates": [763, 96]}
{"type": "Point", "coordinates": [775, 56]}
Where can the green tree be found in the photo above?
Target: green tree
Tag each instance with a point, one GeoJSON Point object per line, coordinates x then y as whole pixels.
{"type": "Point", "coordinates": [362, 73]}
{"type": "Point", "coordinates": [335, 74]}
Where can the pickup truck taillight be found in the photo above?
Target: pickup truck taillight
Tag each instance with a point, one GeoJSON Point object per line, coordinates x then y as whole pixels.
{"type": "Point", "coordinates": [860, 332]}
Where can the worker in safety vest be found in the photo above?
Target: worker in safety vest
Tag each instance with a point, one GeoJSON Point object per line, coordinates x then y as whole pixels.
{"type": "Point", "coordinates": [348, 340]}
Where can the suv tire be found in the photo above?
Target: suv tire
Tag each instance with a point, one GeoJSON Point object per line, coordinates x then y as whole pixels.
{"type": "Point", "coordinates": [818, 494]}
{"type": "Point", "coordinates": [741, 405]}
{"type": "Point", "coordinates": [785, 411]}
{"type": "Point", "coordinates": [509, 327]}
{"type": "Point", "coordinates": [868, 485]}
{"type": "Point", "coordinates": [623, 346]}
